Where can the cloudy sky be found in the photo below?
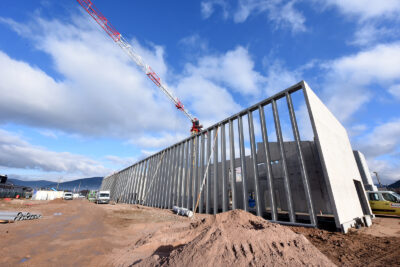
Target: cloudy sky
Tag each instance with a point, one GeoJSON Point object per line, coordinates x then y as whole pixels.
{"type": "Point", "coordinates": [73, 105]}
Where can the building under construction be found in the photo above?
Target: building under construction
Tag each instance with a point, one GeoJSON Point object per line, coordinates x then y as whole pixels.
{"type": "Point", "coordinates": [287, 159]}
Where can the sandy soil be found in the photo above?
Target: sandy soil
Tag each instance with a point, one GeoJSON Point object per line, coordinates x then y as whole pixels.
{"type": "Point", "coordinates": [123, 235]}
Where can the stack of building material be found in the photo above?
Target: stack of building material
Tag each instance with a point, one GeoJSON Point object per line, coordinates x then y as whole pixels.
{"type": "Point", "coordinates": [11, 216]}
{"type": "Point", "coordinates": [182, 211]}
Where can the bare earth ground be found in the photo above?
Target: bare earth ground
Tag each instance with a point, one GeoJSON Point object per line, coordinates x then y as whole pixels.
{"type": "Point", "coordinates": [86, 234]}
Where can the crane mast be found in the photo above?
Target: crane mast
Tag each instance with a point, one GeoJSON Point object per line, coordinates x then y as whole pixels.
{"type": "Point", "coordinates": [129, 50]}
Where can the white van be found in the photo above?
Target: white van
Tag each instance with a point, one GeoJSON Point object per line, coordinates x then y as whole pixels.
{"type": "Point", "coordinates": [67, 196]}
{"type": "Point", "coordinates": [103, 197]}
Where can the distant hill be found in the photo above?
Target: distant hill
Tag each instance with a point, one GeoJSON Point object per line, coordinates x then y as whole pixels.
{"type": "Point", "coordinates": [92, 183]}
{"type": "Point", "coordinates": [38, 183]}
{"type": "Point", "coordinates": [395, 185]}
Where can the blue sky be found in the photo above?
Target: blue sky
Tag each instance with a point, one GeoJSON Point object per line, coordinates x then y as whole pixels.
{"type": "Point", "coordinates": [73, 105]}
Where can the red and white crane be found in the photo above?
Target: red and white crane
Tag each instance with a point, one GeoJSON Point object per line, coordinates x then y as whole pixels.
{"type": "Point", "coordinates": [129, 50]}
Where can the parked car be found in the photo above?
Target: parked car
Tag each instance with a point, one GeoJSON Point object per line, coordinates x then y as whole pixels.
{"type": "Point", "coordinates": [67, 196]}
{"type": "Point", "coordinates": [384, 202]}
{"type": "Point", "coordinates": [103, 197]}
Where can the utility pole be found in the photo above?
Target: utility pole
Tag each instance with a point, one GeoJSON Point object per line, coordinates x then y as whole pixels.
{"type": "Point", "coordinates": [59, 180]}
{"type": "Point", "coordinates": [379, 180]}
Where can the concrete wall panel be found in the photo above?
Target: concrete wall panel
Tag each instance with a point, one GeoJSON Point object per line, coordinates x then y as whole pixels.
{"type": "Point", "coordinates": [338, 163]}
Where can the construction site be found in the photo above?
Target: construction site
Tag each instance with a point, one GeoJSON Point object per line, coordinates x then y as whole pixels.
{"type": "Point", "coordinates": [276, 184]}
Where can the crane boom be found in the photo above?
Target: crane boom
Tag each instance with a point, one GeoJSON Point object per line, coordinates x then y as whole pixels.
{"type": "Point", "coordinates": [129, 50]}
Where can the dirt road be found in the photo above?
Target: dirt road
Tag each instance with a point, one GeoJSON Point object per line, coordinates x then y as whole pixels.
{"type": "Point", "coordinates": [86, 234]}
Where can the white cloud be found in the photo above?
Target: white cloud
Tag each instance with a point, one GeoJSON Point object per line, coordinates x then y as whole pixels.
{"type": "Point", "coordinates": [384, 139]}
{"type": "Point", "coordinates": [348, 79]}
{"type": "Point", "coordinates": [208, 8]}
{"type": "Point", "coordinates": [122, 162]}
{"type": "Point", "coordinates": [160, 141]}
{"type": "Point", "coordinates": [369, 33]}
{"type": "Point", "coordinates": [375, 20]}
{"type": "Point", "coordinates": [48, 133]}
{"type": "Point", "coordinates": [101, 92]}
{"type": "Point", "coordinates": [281, 13]}
{"type": "Point", "coordinates": [208, 100]}
{"type": "Point", "coordinates": [279, 77]}
{"type": "Point", "coordinates": [395, 90]}
{"type": "Point", "coordinates": [381, 147]}
{"type": "Point", "coordinates": [234, 69]}
{"type": "Point", "coordinates": [357, 129]}
{"type": "Point", "coordinates": [365, 9]}
{"type": "Point", "coordinates": [194, 41]}
{"type": "Point", "coordinates": [15, 152]}
{"type": "Point", "coordinates": [389, 172]}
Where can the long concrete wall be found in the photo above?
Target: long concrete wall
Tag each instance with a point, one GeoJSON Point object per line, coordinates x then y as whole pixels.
{"type": "Point", "coordinates": [287, 181]}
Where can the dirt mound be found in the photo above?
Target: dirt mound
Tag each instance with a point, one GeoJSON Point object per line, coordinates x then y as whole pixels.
{"type": "Point", "coordinates": [241, 239]}
{"type": "Point", "coordinates": [355, 248]}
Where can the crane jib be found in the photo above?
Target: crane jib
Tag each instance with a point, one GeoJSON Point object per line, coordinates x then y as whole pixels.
{"type": "Point", "coordinates": [117, 37]}
{"type": "Point", "coordinates": [100, 19]}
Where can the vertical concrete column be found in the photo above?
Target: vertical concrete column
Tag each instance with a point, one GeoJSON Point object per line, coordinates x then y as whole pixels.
{"type": "Point", "coordinates": [160, 180]}
{"type": "Point", "coordinates": [143, 182]}
{"type": "Point", "coordinates": [169, 177]}
{"type": "Point", "coordinates": [160, 161]}
{"type": "Point", "coordinates": [124, 186]}
{"type": "Point", "coordinates": [180, 183]}
{"type": "Point", "coordinates": [284, 164]}
{"type": "Point", "coordinates": [127, 185]}
{"type": "Point", "coordinates": [201, 176]}
{"type": "Point", "coordinates": [215, 168]}
{"type": "Point", "coordinates": [232, 165]}
{"type": "Point", "coordinates": [195, 171]}
{"type": "Point", "coordinates": [153, 180]}
{"type": "Point", "coordinates": [137, 182]}
{"type": "Point", "coordinates": [243, 163]}
{"type": "Point", "coordinates": [134, 180]}
{"type": "Point", "coordinates": [157, 165]}
{"type": "Point", "coordinates": [117, 187]}
{"type": "Point", "coordinates": [303, 169]}
{"type": "Point", "coordinates": [185, 176]}
{"type": "Point", "coordinates": [254, 163]}
{"type": "Point", "coordinates": [173, 178]}
{"type": "Point", "coordinates": [120, 182]}
{"type": "Point", "coordinates": [175, 201]}
{"type": "Point", "coordinates": [190, 174]}
{"type": "Point", "coordinates": [163, 179]}
{"type": "Point", "coordinates": [223, 170]}
{"type": "Point", "coordinates": [114, 184]}
{"type": "Point", "coordinates": [208, 180]}
{"type": "Point", "coordinates": [267, 155]}
{"type": "Point", "coordinates": [177, 173]}
{"type": "Point", "coordinates": [146, 196]}
{"type": "Point", "coordinates": [140, 181]}
{"type": "Point", "coordinates": [146, 180]}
